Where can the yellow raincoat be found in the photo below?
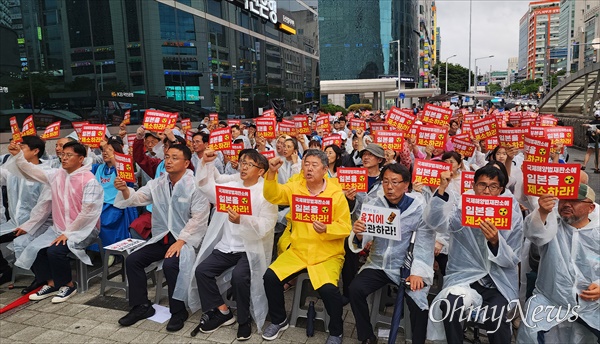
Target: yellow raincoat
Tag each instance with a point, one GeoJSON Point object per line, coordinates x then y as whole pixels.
{"type": "Point", "coordinates": [321, 254]}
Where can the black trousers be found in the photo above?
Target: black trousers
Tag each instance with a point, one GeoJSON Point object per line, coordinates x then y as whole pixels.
{"type": "Point", "coordinates": [329, 293]}
{"type": "Point", "coordinates": [212, 267]}
{"type": "Point", "coordinates": [491, 297]}
{"type": "Point", "coordinates": [136, 276]}
{"type": "Point", "coordinates": [53, 263]}
{"type": "Point", "coordinates": [8, 237]}
{"type": "Point", "coordinates": [349, 269]}
{"type": "Point", "coordinates": [369, 281]}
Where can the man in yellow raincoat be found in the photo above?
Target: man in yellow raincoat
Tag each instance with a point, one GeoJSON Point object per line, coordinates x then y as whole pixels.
{"type": "Point", "coordinates": [315, 246]}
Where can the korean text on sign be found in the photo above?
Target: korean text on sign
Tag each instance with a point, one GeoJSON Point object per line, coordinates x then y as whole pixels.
{"type": "Point", "coordinates": [220, 139]}
{"type": "Point", "coordinates": [353, 177]}
{"type": "Point", "coordinates": [124, 166]}
{"type": "Point", "coordinates": [28, 127]}
{"type": "Point", "coordinates": [559, 135]}
{"type": "Point", "coordinates": [158, 121]}
{"type": "Point", "coordinates": [77, 126]}
{"type": "Point", "coordinates": [357, 123]}
{"type": "Point", "coordinates": [52, 131]}
{"type": "Point", "coordinates": [377, 126]}
{"type": "Point", "coordinates": [495, 210]}
{"type": "Point", "coordinates": [233, 198]}
{"type": "Point", "coordinates": [463, 147]}
{"type": "Point", "coordinates": [560, 180]}
{"type": "Point", "coordinates": [265, 127]}
{"type": "Point", "coordinates": [389, 139]}
{"type": "Point", "coordinates": [400, 119]}
{"type": "Point", "coordinates": [484, 128]}
{"type": "Point", "coordinates": [436, 115]}
{"type": "Point", "coordinates": [513, 137]}
{"type": "Point", "coordinates": [333, 139]}
{"type": "Point", "coordinates": [428, 172]}
{"type": "Point", "coordinates": [537, 149]}
{"type": "Point", "coordinates": [269, 154]}
{"type": "Point", "coordinates": [301, 123]}
{"type": "Point", "coordinates": [432, 136]}
{"type": "Point", "coordinates": [323, 122]}
{"type": "Point", "coordinates": [127, 117]}
{"type": "Point", "coordinates": [234, 153]}
{"type": "Point", "coordinates": [467, 179]}
{"type": "Point", "coordinates": [92, 135]}
{"type": "Point", "coordinates": [381, 222]}
{"type": "Point", "coordinates": [16, 132]}
{"type": "Point", "coordinates": [186, 124]}
{"type": "Point", "coordinates": [288, 128]}
{"type": "Point", "coordinates": [310, 209]}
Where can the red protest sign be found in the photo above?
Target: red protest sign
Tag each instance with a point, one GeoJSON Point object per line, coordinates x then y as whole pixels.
{"type": "Point", "coordinates": [52, 131]}
{"type": "Point", "coordinates": [432, 136]}
{"type": "Point", "coordinates": [28, 128]}
{"type": "Point", "coordinates": [269, 154]}
{"type": "Point", "coordinates": [357, 123]}
{"type": "Point", "coordinates": [92, 135]}
{"type": "Point", "coordinates": [189, 134]}
{"type": "Point", "coordinates": [463, 136]}
{"type": "Point", "coordinates": [310, 209]}
{"type": "Point", "coordinates": [269, 113]}
{"type": "Point", "coordinates": [495, 210]}
{"type": "Point", "coordinates": [301, 123]}
{"type": "Point", "coordinates": [412, 133]}
{"type": "Point", "coordinates": [324, 123]}
{"type": "Point", "coordinates": [220, 139]}
{"type": "Point", "coordinates": [124, 166]}
{"type": "Point", "coordinates": [559, 135]}
{"type": "Point", "coordinates": [514, 137]}
{"type": "Point", "coordinates": [213, 118]}
{"type": "Point", "coordinates": [353, 177]}
{"type": "Point", "coordinates": [234, 152]}
{"type": "Point", "coordinates": [436, 115]}
{"type": "Point", "coordinates": [389, 139]}
{"type": "Point", "coordinates": [233, 198]}
{"type": "Point", "coordinates": [158, 121]}
{"type": "Point", "coordinates": [130, 140]}
{"type": "Point", "coordinates": [77, 126]}
{"type": "Point", "coordinates": [484, 128]}
{"type": "Point", "coordinates": [491, 143]}
{"type": "Point", "coordinates": [514, 118]}
{"type": "Point", "coordinates": [560, 180]}
{"type": "Point", "coordinates": [333, 139]}
{"type": "Point", "coordinates": [265, 127]}
{"type": "Point", "coordinates": [288, 128]}
{"type": "Point", "coordinates": [466, 128]}
{"type": "Point", "coordinates": [186, 124]}
{"type": "Point", "coordinates": [464, 148]}
{"type": "Point", "coordinates": [537, 149]}
{"type": "Point", "coordinates": [127, 117]}
{"type": "Point", "coordinates": [428, 172]}
{"type": "Point", "coordinates": [232, 122]}
{"type": "Point", "coordinates": [16, 132]}
{"type": "Point", "coordinates": [527, 122]}
{"type": "Point", "coordinates": [377, 126]}
{"type": "Point", "coordinates": [546, 121]}
{"type": "Point", "coordinates": [467, 179]}
{"type": "Point", "coordinates": [470, 118]}
{"type": "Point", "coordinates": [537, 132]}
{"type": "Point", "coordinates": [400, 119]}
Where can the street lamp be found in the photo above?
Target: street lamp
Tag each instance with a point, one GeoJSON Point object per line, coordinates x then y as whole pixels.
{"type": "Point", "coordinates": [475, 81]}
{"type": "Point", "coordinates": [446, 63]}
{"type": "Point", "coordinates": [399, 77]}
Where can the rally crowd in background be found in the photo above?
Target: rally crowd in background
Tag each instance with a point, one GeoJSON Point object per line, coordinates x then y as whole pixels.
{"type": "Point", "coordinates": [537, 279]}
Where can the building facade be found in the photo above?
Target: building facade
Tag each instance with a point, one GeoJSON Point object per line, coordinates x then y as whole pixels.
{"type": "Point", "coordinates": [589, 53]}
{"type": "Point", "coordinates": [427, 42]}
{"type": "Point", "coordinates": [542, 19]}
{"type": "Point", "coordinates": [523, 45]}
{"type": "Point", "coordinates": [512, 70]}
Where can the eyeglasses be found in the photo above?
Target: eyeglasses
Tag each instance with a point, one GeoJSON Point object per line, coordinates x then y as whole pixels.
{"type": "Point", "coordinates": [480, 187]}
{"type": "Point", "coordinates": [244, 164]}
{"type": "Point", "coordinates": [68, 155]}
{"type": "Point", "coordinates": [394, 183]}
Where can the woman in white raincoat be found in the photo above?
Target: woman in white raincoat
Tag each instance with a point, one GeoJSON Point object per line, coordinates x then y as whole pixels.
{"type": "Point", "coordinates": [179, 219]}
{"type": "Point", "coordinates": [254, 231]}
{"type": "Point", "coordinates": [75, 214]}
{"type": "Point", "coordinates": [482, 265]}
{"type": "Point", "coordinates": [566, 298]}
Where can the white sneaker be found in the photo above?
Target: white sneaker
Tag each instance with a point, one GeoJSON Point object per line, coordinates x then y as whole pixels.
{"type": "Point", "coordinates": [64, 293]}
{"type": "Point", "coordinates": [43, 293]}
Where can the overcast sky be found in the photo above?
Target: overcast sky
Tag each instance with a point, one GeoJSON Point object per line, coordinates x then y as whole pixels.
{"type": "Point", "coordinates": [495, 31]}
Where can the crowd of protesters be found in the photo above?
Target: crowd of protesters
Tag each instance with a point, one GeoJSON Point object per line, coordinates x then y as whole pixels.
{"type": "Point", "coordinates": [537, 281]}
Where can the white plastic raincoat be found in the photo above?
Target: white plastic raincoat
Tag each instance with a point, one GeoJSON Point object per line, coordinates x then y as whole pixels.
{"type": "Point", "coordinates": [470, 258]}
{"type": "Point", "coordinates": [183, 212]}
{"type": "Point", "coordinates": [256, 232]}
{"type": "Point", "coordinates": [569, 263]}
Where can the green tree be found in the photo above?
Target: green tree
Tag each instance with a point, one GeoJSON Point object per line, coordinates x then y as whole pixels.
{"type": "Point", "coordinates": [458, 77]}
{"type": "Point", "coordinates": [493, 88]}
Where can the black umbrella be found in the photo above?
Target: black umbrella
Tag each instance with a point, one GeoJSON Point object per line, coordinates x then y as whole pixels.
{"type": "Point", "coordinates": [399, 305]}
{"type": "Point", "coordinates": [510, 106]}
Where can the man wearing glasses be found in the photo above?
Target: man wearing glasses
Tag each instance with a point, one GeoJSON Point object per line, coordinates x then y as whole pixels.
{"type": "Point", "coordinates": [76, 213]}
{"type": "Point", "coordinates": [243, 242]}
{"type": "Point", "coordinates": [179, 219]}
{"type": "Point", "coordinates": [482, 268]}
{"type": "Point", "coordinates": [386, 256]}
{"type": "Point", "coordinates": [568, 237]}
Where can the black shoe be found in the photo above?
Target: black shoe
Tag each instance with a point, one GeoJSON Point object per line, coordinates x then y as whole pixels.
{"type": "Point", "coordinates": [371, 340]}
{"type": "Point", "coordinates": [137, 313]}
{"type": "Point", "coordinates": [33, 286]}
{"type": "Point", "coordinates": [244, 331]}
{"type": "Point", "coordinates": [6, 276]}
{"type": "Point", "coordinates": [215, 320]}
{"type": "Point", "coordinates": [345, 300]}
{"type": "Point", "coordinates": [177, 321]}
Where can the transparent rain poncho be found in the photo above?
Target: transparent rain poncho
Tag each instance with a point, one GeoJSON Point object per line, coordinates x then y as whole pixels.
{"type": "Point", "coordinates": [569, 263]}
{"type": "Point", "coordinates": [470, 258]}
{"type": "Point", "coordinates": [182, 211]}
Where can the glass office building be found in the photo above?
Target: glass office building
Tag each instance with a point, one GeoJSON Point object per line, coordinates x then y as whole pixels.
{"type": "Point", "coordinates": [356, 40]}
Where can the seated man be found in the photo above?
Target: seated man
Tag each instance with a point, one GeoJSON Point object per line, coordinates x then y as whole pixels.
{"type": "Point", "coordinates": [76, 221]}
{"type": "Point", "coordinates": [234, 240]}
{"type": "Point", "coordinates": [179, 219]}
{"type": "Point", "coordinates": [568, 239]}
{"type": "Point", "coordinates": [482, 265]}
{"type": "Point", "coordinates": [314, 246]}
{"type": "Point", "coordinates": [386, 256]}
